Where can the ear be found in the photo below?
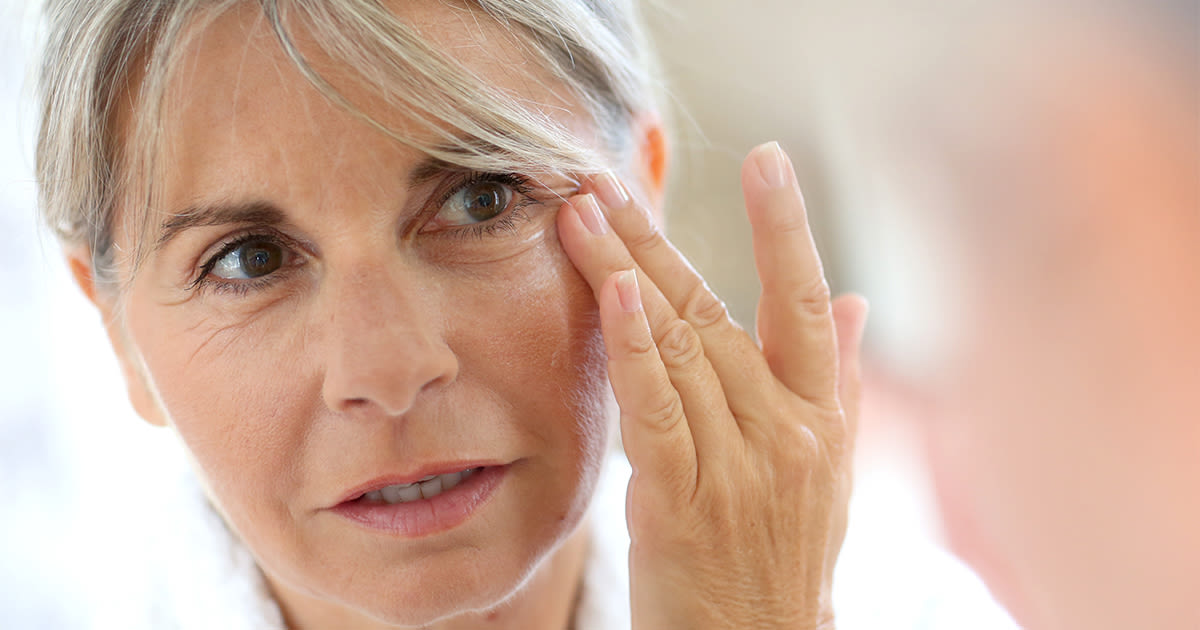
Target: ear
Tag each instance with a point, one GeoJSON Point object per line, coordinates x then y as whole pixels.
{"type": "Point", "coordinates": [141, 395]}
{"type": "Point", "coordinates": [650, 161]}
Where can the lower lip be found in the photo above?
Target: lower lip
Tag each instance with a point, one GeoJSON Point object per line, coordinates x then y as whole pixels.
{"type": "Point", "coordinates": [427, 516]}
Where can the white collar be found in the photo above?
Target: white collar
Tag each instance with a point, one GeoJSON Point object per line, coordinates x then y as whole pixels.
{"type": "Point", "coordinates": [201, 577]}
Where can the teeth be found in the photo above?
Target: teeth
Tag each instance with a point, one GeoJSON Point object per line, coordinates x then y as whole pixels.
{"type": "Point", "coordinates": [451, 480]}
{"type": "Point", "coordinates": [426, 488]}
{"type": "Point", "coordinates": [391, 494]}
{"type": "Point", "coordinates": [431, 488]}
{"type": "Point", "coordinates": [411, 492]}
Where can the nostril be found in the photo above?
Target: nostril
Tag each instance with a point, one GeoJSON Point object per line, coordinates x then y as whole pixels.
{"type": "Point", "coordinates": [385, 371]}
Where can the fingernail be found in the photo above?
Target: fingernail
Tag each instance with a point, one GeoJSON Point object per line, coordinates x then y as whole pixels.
{"type": "Point", "coordinates": [610, 190]}
{"type": "Point", "coordinates": [627, 291]}
{"type": "Point", "coordinates": [772, 164]}
{"type": "Point", "coordinates": [590, 214]}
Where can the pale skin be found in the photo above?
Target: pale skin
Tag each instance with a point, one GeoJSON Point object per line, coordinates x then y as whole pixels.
{"type": "Point", "coordinates": [383, 339]}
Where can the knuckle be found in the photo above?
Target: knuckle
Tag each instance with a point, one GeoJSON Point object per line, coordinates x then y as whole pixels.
{"type": "Point", "coordinates": [678, 344]}
{"type": "Point", "coordinates": [790, 223]}
{"type": "Point", "coordinates": [665, 411]}
{"type": "Point", "coordinates": [839, 442]}
{"type": "Point", "coordinates": [703, 308]}
{"type": "Point", "coordinates": [637, 347]}
{"type": "Point", "coordinates": [800, 445]}
{"type": "Point", "coordinates": [647, 239]}
{"type": "Point", "coordinates": [812, 298]}
{"type": "Point", "coordinates": [837, 427]}
{"type": "Point", "coordinates": [785, 216]}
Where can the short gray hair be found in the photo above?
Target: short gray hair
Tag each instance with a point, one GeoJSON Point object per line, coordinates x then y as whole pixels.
{"type": "Point", "coordinates": [97, 49]}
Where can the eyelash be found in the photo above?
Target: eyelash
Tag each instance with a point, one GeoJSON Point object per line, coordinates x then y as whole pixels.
{"type": "Point", "coordinates": [205, 280]}
{"type": "Point", "coordinates": [507, 222]}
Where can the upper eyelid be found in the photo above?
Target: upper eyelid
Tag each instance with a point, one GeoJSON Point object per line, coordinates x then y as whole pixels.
{"type": "Point", "coordinates": [226, 243]}
{"type": "Point", "coordinates": [461, 179]}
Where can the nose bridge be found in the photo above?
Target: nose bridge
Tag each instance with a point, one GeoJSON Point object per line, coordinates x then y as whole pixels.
{"type": "Point", "coordinates": [383, 339]}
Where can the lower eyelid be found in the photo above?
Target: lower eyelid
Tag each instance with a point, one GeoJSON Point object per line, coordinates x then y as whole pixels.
{"type": "Point", "coordinates": [244, 286]}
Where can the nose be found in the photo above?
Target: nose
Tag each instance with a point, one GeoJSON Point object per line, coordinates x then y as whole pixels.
{"type": "Point", "coordinates": [383, 342]}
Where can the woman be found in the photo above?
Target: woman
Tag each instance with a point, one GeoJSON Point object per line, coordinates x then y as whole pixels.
{"type": "Point", "coordinates": [377, 266]}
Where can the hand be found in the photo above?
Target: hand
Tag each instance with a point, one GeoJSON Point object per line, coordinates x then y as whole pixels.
{"type": "Point", "coordinates": [741, 455]}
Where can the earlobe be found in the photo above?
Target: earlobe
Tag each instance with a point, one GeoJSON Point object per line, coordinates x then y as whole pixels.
{"type": "Point", "coordinates": [80, 265]}
{"type": "Point", "coordinates": [141, 396]}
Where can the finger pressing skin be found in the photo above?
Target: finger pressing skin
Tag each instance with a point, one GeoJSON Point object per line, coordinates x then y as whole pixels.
{"type": "Point", "coordinates": [597, 253]}
{"type": "Point", "coordinates": [795, 325]}
{"type": "Point", "coordinates": [735, 357]}
{"type": "Point", "coordinates": [654, 428]}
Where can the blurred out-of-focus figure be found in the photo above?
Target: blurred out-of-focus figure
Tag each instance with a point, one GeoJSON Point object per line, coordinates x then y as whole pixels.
{"type": "Point", "coordinates": [1038, 164]}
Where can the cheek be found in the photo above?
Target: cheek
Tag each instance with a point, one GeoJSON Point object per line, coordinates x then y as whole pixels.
{"type": "Point", "coordinates": [231, 392]}
{"type": "Point", "coordinates": [532, 336]}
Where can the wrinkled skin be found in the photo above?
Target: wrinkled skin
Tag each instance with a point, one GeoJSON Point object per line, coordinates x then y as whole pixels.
{"type": "Point", "coordinates": [390, 336]}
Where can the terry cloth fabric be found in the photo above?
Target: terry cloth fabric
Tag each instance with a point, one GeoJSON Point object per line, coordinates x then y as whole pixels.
{"type": "Point", "coordinates": [199, 577]}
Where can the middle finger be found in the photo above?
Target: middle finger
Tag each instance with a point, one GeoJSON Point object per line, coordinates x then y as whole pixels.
{"type": "Point", "coordinates": [735, 357]}
{"type": "Point", "coordinates": [597, 253]}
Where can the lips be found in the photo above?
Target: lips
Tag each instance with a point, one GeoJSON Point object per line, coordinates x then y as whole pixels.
{"type": "Point", "coordinates": [422, 504]}
{"type": "Point", "coordinates": [426, 488]}
{"type": "Point", "coordinates": [423, 475]}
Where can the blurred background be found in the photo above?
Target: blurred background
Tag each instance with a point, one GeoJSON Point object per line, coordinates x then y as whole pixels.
{"type": "Point", "coordinates": [848, 88]}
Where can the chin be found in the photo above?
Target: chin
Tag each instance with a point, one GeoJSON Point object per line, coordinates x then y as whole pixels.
{"type": "Point", "coordinates": [419, 598]}
{"type": "Point", "coordinates": [464, 582]}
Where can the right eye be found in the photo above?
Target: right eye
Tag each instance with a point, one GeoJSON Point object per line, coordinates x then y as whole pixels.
{"type": "Point", "coordinates": [252, 258]}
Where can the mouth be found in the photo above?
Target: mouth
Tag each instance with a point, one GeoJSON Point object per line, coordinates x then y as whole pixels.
{"type": "Point", "coordinates": [427, 487]}
{"type": "Point", "coordinates": [415, 506]}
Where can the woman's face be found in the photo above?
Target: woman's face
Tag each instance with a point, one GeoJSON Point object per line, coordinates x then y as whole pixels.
{"type": "Point", "coordinates": [326, 313]}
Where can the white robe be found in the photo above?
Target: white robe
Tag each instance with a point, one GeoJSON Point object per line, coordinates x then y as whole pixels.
{"type": "Point", "coordinates": [200, 578]}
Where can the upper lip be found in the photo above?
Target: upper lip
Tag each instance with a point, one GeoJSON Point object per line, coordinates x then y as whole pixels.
{"type": "Point", "coordinates": [411, 476]}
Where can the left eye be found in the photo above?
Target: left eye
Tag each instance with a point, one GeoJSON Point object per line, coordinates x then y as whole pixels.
{"type": "Point", "coordinates": [475, 203]}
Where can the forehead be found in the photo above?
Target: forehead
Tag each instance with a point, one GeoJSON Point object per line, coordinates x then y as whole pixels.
{"type": "Point", "coordinates": [235, 98]}
{"type": "Point", "coordinates": [241, 43]}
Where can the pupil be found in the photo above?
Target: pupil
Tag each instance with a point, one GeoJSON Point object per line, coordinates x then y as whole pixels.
{"type": "Point", "coordinates": [485, 201]}
{"type": "Point", "coordinates": [262, 259]}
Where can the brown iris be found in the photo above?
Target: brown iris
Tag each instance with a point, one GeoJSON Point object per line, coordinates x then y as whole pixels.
{"type": "Point", "coordinates": [260, 258]}
{"type": "Point", "coordinates": [484, 200]}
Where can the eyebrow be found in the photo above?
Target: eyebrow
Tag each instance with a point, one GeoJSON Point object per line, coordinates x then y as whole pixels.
{"type": "Point", "coordinates": [264, 212]}
{"type": "Point", "coordinates": [429, 169]}
{"type": "Point", "coordinates": [255, 212]}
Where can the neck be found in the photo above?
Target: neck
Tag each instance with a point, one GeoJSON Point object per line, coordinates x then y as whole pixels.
{"type": "Point", "coordinates": [546, 602]}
